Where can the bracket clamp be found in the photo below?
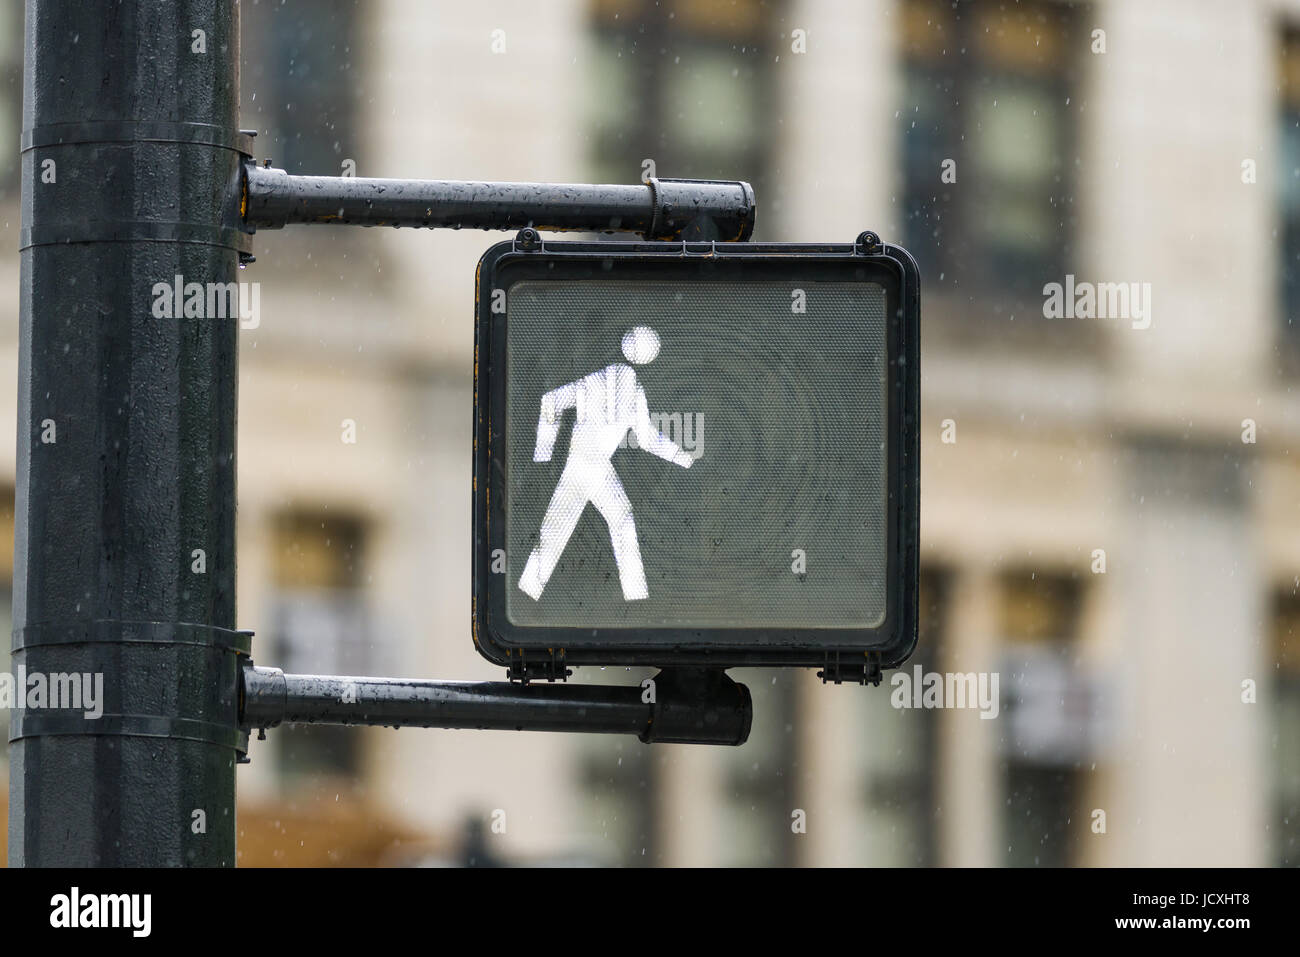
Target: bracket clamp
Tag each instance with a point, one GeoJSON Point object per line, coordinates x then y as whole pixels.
{"type": "Point", "coordinates": [841, 667]}
{"type": "Point", "coordinates": [548, 667]}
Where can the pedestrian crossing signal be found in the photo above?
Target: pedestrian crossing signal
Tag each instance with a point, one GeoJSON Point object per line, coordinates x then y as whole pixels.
{"type": "Point", "coordinates": [696, 453]}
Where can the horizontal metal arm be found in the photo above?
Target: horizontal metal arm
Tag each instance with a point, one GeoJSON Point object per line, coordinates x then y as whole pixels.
{"type": "Point", "coordinates": [690, 706]}
{"type": "Point", "coordinates": [662, 209]}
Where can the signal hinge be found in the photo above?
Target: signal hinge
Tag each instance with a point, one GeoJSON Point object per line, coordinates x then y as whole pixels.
{"type": "Point", "coordinates": [848, 667]}
{"type": "Point", "coordinates": [543, 666]}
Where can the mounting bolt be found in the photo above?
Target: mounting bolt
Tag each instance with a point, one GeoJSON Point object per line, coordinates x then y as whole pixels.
{"type": "Point", "coordinates": [528, 238]}
{"type": "Point", "coordinates": [869, 241]}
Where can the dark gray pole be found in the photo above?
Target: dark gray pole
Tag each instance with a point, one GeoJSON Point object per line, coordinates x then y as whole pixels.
{"type": "Point", "coordinates": [125, 544]}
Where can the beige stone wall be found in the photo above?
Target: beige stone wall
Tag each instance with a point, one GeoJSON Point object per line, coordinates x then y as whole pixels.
{"type": "Point", "coordinates": [376, 327]}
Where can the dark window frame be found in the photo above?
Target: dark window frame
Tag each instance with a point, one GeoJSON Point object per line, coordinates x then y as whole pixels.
{"type": "Point", "coordinates": [1284, 824]}
{"type": "Point", "coordinates": [1042, 797]}
{"type": "Point", "coordinates": [1288, 228]}
{"type": "Point", "coordinates": [655, 42]}
{"type": "Point", "coordinates": [330, 96]}
{"type": "Point", "coordinates": [973, 270]}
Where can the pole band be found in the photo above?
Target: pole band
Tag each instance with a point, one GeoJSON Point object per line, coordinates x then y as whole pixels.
{"type": "Point", "coordinates": [151, 131]}
{"type": "Point", "coordinates": [112, 631]}
{"type": "Point", "coordinates": [24, 724]}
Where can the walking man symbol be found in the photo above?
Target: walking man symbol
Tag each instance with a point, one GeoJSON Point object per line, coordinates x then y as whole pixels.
{"type": "Point", "coordinates": [609, 402]}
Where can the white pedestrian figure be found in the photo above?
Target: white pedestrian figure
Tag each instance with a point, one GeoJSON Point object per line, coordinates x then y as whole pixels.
{"type": "Point", "coordinates": [609, 402]}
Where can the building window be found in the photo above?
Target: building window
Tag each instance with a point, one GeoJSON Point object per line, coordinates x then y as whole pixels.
{"type": "Point", "coordinates": [899, 749]}
{"type": "Point", "coordinates": [682, 83]}
{"type": "Point", "coordinates": [6, 595]}
{"type": "Point", "coordinates": [1289, 200]}
{"type": "Point", "coordinates": [1284, 742]}
{"type": "Point", "coordinates": [11, 97]}
{"type": "Point", "coordinates": [302, 85]}
{"type": "Point", "coordinates": [319, 623]}
{"type": "Point", "coordinates": [620, 786]}
{"type": "Point", "coordinates": [1052, 718]}
{"type": "Point", "coordinates": [990, 87]}
{"type": "Point", "coordinates": [758, 778]}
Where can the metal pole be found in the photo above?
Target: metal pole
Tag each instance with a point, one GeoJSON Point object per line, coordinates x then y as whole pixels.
{"type": "Point", "coordinates": [662, 209]}
{"type": "Point", "coordinates": [689, 706]}
{"type": "Point", "coordinates": [125, 543]}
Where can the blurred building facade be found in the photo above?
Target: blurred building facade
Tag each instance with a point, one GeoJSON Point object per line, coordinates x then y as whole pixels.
{"type": "Point", "coordinates": [1110, 509]}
